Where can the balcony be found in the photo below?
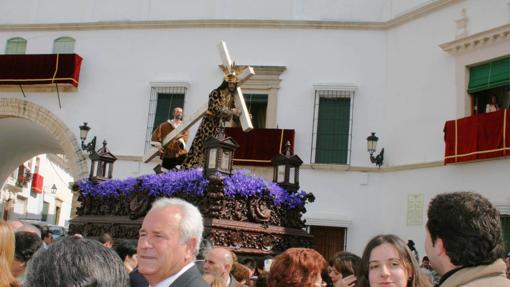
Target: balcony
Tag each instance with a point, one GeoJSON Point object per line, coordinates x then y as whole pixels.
{"type": "Point", "coordinates": [40, 71]}
{"type": "Point", "coordinates": [259, 146]}
{"type": "Point", "coordinates": [477, 137]}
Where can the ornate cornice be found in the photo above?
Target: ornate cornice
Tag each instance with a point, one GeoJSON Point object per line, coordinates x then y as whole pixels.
{"type": "Point", "coordinates": [400, 19]}
{"type": "Point", "coordinates": [477, 40]}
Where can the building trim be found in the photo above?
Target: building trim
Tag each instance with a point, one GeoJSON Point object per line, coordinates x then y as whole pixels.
{"type": "Point", "coordinates": [398, 20]}
{"type": "Point", "coordinates": [327, 220]}
{"type": "Point", "coordinates": [478, 40]}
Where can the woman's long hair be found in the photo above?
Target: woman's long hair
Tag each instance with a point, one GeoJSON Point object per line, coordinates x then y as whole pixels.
{"type": "Point", "coordinates": [406, 257]}
{"type": "Point", "coordinates": [7, 245]}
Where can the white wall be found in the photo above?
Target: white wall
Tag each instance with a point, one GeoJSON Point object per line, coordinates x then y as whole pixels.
{"type": "Point", "coordinates": [406, 91]}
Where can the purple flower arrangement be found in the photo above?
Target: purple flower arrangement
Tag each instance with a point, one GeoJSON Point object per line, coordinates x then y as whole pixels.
{"type": "Point", "coordinates": [240, 184]}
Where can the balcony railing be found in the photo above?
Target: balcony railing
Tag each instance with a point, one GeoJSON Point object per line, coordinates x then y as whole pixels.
{"type": "Point", "coordinates": [477, 137]}
{"type": "Point", "coordinates": [258, 146]}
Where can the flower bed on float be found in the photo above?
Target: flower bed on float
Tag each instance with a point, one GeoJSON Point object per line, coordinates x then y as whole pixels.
{"type": "Point", "coordinates": [242, 210]}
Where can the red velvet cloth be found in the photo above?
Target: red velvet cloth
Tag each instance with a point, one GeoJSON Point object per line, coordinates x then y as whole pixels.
{"type": "Point", "coordinates": [40, 69]}
{"type": "Point", "coordinates": [476, 137]}
{"type": "Point", "coordinates": [258, 146]}
{"type": "Point", "coordinates": [37, 183]}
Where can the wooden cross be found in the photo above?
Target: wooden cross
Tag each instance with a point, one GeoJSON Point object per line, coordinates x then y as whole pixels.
{"type": "Point", "coordinates": [244, 117]}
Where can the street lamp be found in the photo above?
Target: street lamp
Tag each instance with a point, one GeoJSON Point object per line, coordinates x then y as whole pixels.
{"type": "Point", "coordinates": [53, 189]}
{"type": "Point", "coordinates": [372, 147]}
{"type": "Point", "coordinates": [286, 169]}
{"type": "Point", "coordinates": [219, 155]}
{"type": "Point", "coordinates": [91, 146]}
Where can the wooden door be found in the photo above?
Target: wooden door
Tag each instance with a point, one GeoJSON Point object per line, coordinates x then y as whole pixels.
{"type": "Point", "coordinates": [328, 240]}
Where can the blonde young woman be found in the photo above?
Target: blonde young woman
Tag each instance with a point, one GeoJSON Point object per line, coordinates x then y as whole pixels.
{"type": "Point", "coordinates": [6, 255]}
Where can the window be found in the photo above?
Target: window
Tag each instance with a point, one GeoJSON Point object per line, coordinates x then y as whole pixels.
{"type": "Point", "coordinates": [332, 121]}
{"type": "Point", "coordinates": [489, 80]}
{"type": "Point", "coordinates": [63, 45]}
{"type": "Point", "coordinates": [16, 46]}
{"type": "Point", "coordinates": [257, 107]}
{"type": "Point", "coordinates": [164, 98]}
{"type": "Point", "coordinates": [46, 207]}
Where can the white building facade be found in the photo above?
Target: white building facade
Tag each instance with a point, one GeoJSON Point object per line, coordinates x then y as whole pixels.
{"type": "Point", "coordinates": [397, 68]}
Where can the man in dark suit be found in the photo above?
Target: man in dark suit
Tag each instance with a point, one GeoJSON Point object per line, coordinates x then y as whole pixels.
{"type": "Point", "coordinates": [218, 262]}
{"type": "Point", "coordinates": [168, 243]}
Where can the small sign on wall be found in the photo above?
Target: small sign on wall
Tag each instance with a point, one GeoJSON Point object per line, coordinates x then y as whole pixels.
{"type": "Point", "coordinates": [415, 209]}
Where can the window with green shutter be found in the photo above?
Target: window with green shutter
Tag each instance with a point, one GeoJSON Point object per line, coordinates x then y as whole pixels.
{"type": "Point", "coordinates": [257, 107]}
{"type": "Point", "coordinates": [63, 45]}
{"type": "Point", "coordinates": [489, 75]}
{"type": "Point", "coordinates": [16, 46]}
{"type": "Point", "coordinates": [162, 102]}
{"type": "Point", "coordinates": [332, 126]}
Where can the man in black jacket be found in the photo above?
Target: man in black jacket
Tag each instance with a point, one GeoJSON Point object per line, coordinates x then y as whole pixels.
{"type": "Point", "coordinates": [168, 243]}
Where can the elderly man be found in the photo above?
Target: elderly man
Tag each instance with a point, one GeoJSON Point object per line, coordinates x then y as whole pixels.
{"type": "Point", "coordinates": [168, 243]}
{"type": "Point", "coordinates": [464, 241]}
{"type": "Point", "coordinates": [218, 262]}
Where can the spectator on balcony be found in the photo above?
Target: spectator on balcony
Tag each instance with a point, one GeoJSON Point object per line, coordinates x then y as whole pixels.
{"type": "Point", "coordinates": [492, 106]}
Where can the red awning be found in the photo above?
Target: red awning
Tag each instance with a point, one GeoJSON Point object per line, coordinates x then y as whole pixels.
{"type": "Point", "coordinates": [258, 146]}
{"type": "Point", "coordinates": [480, 136]}
{"type": "Point", "coordinates": [40, 69]}
{"type": "Point", "coordinates": [37, 183]}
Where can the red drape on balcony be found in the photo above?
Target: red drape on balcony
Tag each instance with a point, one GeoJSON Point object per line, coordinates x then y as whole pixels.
{"type": "Point", "coordinates": [37, 183]}
{"type": "Point", "coordinates": [258, 146]}
{"type": "Point", "coordinates": [477, 137]}
{"type": "Point", "coordinates": [40, 69]}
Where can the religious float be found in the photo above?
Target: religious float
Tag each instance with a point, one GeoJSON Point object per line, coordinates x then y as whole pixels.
{"type": "Point", "coordinates": [241, 211]}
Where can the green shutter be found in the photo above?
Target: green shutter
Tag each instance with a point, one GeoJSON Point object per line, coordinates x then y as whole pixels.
{"type": "Point", "coordinates": [16, 46]}
{"type": "Point", "coordinates": [505, 222]}
{"type": "Point", "coordinates": [63, 45]}
{"type": "Point", "coordinates": [490, 75]}
{"type": "Point", "coordinates": [332, 145]}
{"type": "Point", "coordinates": [165, 106]}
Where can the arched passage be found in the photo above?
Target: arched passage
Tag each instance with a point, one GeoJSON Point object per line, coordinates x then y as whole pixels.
{"type": "Point", "coordinates": [28, 129]}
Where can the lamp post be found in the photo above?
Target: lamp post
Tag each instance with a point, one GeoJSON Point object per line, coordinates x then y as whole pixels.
{"type": "Point", "coordinates": [219, 155]}
{"type": "Point", "coordinates": [91, 146]}
{"type": "Point", "coordinates": [101, 166]}
{"type": "Point", "coordinates": [372, 147]}
{"type": "Point", "coordinates": [286, 169]}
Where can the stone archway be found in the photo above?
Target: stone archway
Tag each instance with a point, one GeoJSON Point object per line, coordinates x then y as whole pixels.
{"type": "Point", "coordinates": [54, 134]}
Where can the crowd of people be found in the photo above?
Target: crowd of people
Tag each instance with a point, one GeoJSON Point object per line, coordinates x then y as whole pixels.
{"type": "Point", "coordinates": [463, 242]}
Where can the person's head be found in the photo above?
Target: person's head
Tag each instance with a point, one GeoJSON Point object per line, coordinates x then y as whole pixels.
{"type": "Point", "coordinates": [343, 264]}
{"type": "Point", "coordinates": [169, 238]}
{"type": "Point", "coordinates": [241, 273]}
{"type": "Point", "coordinates": [7, 245]}
{"type": "Point", "coordinates": [387, 259]}
{"type": "Point", "coordinates": [127, 253]}
{"type": "Point", "coordinates": [106, 239]}
{"type": "Point", "coordinates": [29, 228]}
{"type": "Point", "coordinates": [214, 281]}
{"type": "Point", "coordinates": [47, 236]}
{"type": "Point", "coordinates": [27, 244]}
{"type": "Point", "coordinates": [78, 262]}
{"type": "Point", "coordinates": [425, 262]}
{"type": "Point", "coordinates": [218, 262]}
{"type": "Point", "coordinates": [463, 229]}
{"type": "Point", "coordinates": [494, 100]}
{"type": "Point", "coordinates": [297, 267]}
{"type": "Point", "coordinates": [177, 113]}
